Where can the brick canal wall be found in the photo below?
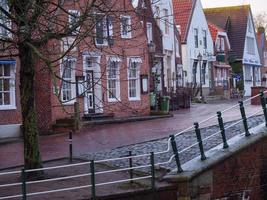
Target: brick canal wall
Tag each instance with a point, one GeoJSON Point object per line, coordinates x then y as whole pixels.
{"type": "Point", "coordinates": [239, 172]}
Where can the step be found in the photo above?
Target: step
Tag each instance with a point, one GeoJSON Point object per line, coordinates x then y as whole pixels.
{"type": "Point", "coordinates": [98, 116]}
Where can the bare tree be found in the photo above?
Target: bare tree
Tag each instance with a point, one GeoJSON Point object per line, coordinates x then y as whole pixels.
{"type": "Point", "coordinates": [260, 20]}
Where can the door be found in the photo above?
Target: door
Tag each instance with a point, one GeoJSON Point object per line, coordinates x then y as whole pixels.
{"type": "Point", "coordinates": [90, 91]}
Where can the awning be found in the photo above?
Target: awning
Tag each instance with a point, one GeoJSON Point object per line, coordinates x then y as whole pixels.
{"type": "Point", "coordinates": [222, 66]}
{"type": "Point", "coordinates": [136, 60]}
{"type": "Point", "coordinates": [10, 62]}
{"type": "Point", "coordinates": [114, 59]}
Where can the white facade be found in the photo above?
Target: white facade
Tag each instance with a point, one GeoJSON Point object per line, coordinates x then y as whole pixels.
{"type": "Point", "coordinates": [190, 50]}
{"type": "Point", "coordinates": [163, 12]}
{"type": "Point", "coordinates": [251, 59]}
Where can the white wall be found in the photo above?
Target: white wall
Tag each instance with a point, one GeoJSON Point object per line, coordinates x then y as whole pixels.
{"type": "Point", "coordinates": [250, 60]}
{"type": "Point", "coordinates": [189, 51]}
{"type": "Point", "coordinates": [168, 40]}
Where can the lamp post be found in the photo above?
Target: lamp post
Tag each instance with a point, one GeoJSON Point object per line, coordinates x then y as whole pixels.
{"type": "Point", "coordinates": [199, 57]}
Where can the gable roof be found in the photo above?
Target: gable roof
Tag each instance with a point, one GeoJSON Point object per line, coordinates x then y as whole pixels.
{"type": "Point", "coordinates": [234, 20]}
{"type": "Point", "coordinates": [182, 11]}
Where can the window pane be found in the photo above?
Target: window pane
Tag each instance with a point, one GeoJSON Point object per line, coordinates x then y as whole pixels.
{"type": "Point", "coordinates": [1, 85]}
{"type": "Point", "coordinates": [1, 99]}
{"type": "Point", "coordinates": [7, 98]}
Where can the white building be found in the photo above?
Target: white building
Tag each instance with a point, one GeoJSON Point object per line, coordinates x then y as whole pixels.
{"type": "Point", "coordinates": [197, 44]}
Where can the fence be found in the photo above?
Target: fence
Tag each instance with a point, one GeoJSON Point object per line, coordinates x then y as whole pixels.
{"type": "Point", "coordinates": [171, 146]}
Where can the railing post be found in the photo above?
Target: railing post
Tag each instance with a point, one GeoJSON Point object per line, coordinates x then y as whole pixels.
{"type": "Point", "coordinates": [263, 104]}
{"type": "Point", "coordinates": [23, 178]}
{"type": "Point", "coordinates": [176, 154]}
{"type": "Point", "coordinates": [200, 143]}
{"type": "Point", "coordinates": [92, 169]}
{"type": "Point", "coordinates": [152, 162]}
{"type": "Point", "coordinates": [131, 165]}
{"type": "Point", "coordinates": [221, 125]}
{"type": "Point", "coordinates": [243, 115]}
{"type": "Point", "coordinates": [70, 147]}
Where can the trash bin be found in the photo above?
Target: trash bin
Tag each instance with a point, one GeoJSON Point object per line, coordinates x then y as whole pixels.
{"type": "Point", "coordinates": [153, 99]}
{"type": "Point", "coordinates": [165, 104]}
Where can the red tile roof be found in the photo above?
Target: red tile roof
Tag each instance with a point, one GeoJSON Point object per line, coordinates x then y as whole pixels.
{"type": "Point", "coordinates": [234, 20]}
{"type": "Point", "coordinates": [182, 10]}
{"type": "Point", "coordinates": [214, 30]}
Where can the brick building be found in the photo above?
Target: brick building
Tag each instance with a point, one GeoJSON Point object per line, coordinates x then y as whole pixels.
{"type": "Point", "coordinates": [106, 73]}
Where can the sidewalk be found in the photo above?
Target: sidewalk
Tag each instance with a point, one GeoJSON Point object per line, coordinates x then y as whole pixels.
{"type": "Point", "coordinates": [104, 137]}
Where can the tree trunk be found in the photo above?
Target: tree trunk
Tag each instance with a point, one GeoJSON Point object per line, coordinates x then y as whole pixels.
{"type": "Point", "coordinates": [32, 158]}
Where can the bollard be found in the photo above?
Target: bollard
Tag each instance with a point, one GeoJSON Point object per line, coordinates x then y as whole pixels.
{"type": "Point", "coordinates": [131, 165]}
{"type": "Point", "coordinates": [197, 130]}
{"type": "Point", "coordinates": [152, 162]}
{"type": "Point", "coordinates": [93, 188]}
{"type": "Point", "coordinates": [23, 178]}
{"type": "Point", "coordinates": [176, 154]}
{"type": "Point", "coordinates": [221, 125]}
{"type": "Point", "coordinates": [243, 115]}
{"type": "Point", "coordinates": [263, 104]}
{"type": "Point", "coordinates": [70, 146]}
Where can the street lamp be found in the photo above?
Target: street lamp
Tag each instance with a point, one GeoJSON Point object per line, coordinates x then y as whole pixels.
{"type": "Point", "coordinates": [199, 57]}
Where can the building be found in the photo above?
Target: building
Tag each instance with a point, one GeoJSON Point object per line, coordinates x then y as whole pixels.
{"type": "Point", "coordinates": [107, 73]}
{"type": "Point", "coordinates": [237, 21]}
{"type": "Point", "coordinates": [221, 70]}
{"type": "Point", "coordinates": [197, 45]}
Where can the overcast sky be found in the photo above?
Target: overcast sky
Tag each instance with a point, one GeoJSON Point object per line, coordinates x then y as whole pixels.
{"type": "Point", "coordinates": [257, 6]}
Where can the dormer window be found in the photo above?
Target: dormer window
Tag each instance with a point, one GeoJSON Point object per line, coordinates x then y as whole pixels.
{"type": "Point", "coordinates": [220, 44]}
{"type": "Point", "coordinates": [250, 46]}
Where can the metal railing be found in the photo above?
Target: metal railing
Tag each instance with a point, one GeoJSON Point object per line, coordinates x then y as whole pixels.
{"type": "Point", "coordinates": [171, 145]}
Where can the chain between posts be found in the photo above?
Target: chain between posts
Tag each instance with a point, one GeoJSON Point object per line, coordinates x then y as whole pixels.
{"type": "Point", "coordinates": [263, 104]}
{"type": "Point", "coordinates": [221, 125]}
{"type": "Point", "coordinates": [176, 154]}
{"type": "Point", "coordinates": [244, 118]}
{"type": "Point", "coordinates": [200, 143]}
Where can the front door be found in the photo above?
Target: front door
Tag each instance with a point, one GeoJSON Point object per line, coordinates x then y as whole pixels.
{"type": "Point", "coordinates": [90, 96]}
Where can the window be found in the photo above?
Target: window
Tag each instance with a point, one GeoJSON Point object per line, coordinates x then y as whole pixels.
{"type": "Point", "coordinates": [7, 86]}
{"type": "Point", "coordinates": [204, 39]}
{"type": "Point", "coordinates": [249, 25]}
{"type": "Point", "coordinates": [157, 15]}
{"type": "Point", "coordinates": [4, 32]}
{"type": "Point", "coordinates": [204, 66]}
{"type": "Point", "coordinates": [196, 37]}
{"type": "Point", "coordinates": [250, 45]}
{"type": "Point", "coordinates": [166, 21]}
{"type": "Point", "coordinates": [220, 44]}
{"type": "Point", "coordinates": [149, 32]}
{"type": "Point", "coordinates": [133, 78]}
{"type": "Point", "coordinates": [68, 81]}
{"type": "Point", "coordinates": [177, 49]}
{"type": "Point", "coordinates": [73, 20]}
{"type": "Point", "coordinates": [126, 27]}
{"type": "Point", "coordinates": [113, 79]}
{"type": "Point", "coordinates": [104, 29]}
{"type": "Point", "coordinates": [195, 72]}
{"type": "Point", "coordinates": [248, 74]}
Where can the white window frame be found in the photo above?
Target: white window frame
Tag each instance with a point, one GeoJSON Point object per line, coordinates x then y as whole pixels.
{"type": "Point", "coordinates": [166, 21]}
{"type": "Point", "coordinates": [136, 78]}
{"type": "Point", "coordinates": [117, 82]}
{"type": "Point", "coordinates": [105, 30]}
{"type": "Point", "coordinates": [149, 32]}
{"type": "Point", "coordinates": [129, 27]}
{"type": "Point", "coordinates": [73, 13]}
{"type": "Point", "coordinates": [4, 33]}
{"type": "Point", "coordinates": [250, 45]}
{"type": "Point", "coordinates": [72, 81]}
{"type": "Point", "coordinates": [177, 49]}
{"type": "Point", "coordinates": [12, 87]}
